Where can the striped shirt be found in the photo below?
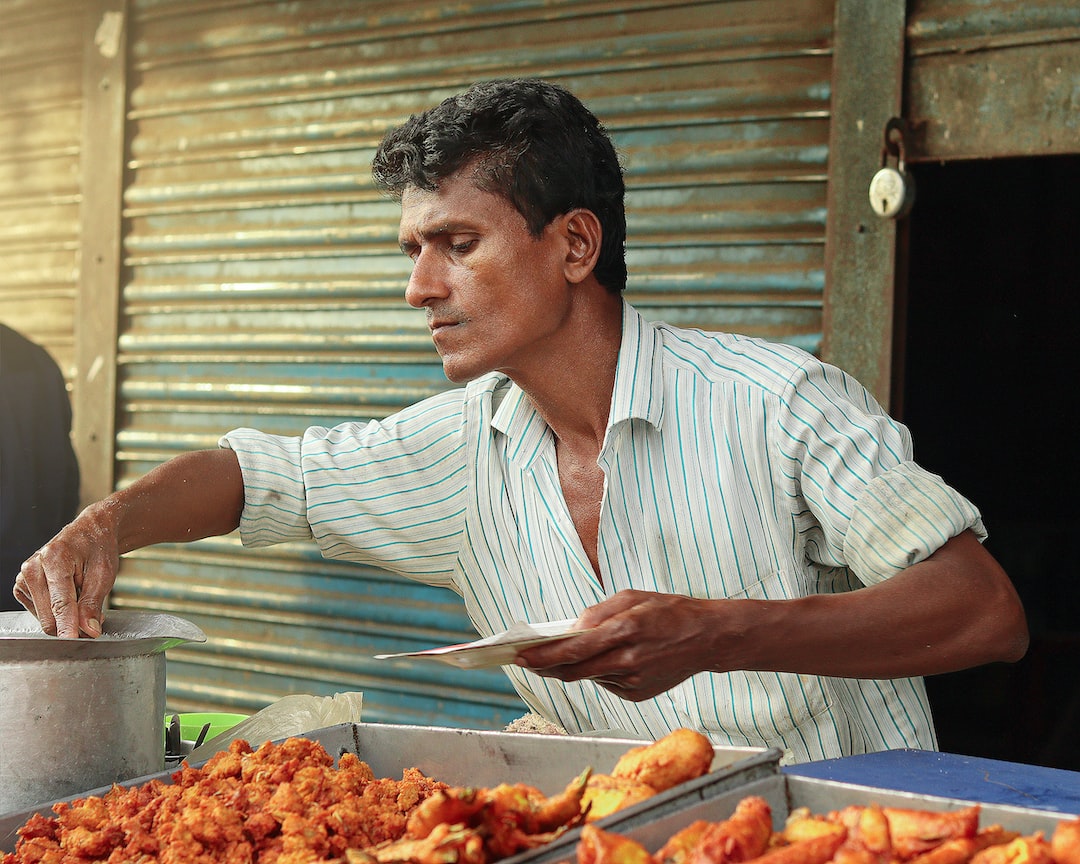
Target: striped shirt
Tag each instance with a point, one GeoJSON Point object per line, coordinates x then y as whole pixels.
{"type": "Point", "coordinates": [733, 468]}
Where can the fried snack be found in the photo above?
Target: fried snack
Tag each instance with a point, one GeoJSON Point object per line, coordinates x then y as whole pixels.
{"type": "Point", "coordinates": [289, 804]}
{"type": "Point", "coordinates": [643, 771]}
{"type": "Point", "coordinates": [743, 836]}
{"type": "Point", "coordinates": [911, 832]}
{"type": "Point", "coordinates": [284, 801]}
{"type": "Point", "coordinates": [605, 794]}
{"type": "Point", "coordinates": [1022, 850]}
{"type": "Point", "coordinates": [601, 847]}
{"type": "Point", "coordinates": [801, 824]}
{"type": "Point", "coordinates": [811, 850]}
{"type": "Point", "coordinates": [916, 831]}
{"type": "Point", "coordinates": [961, 849]}
{"type": "Point", "coordinates": [677, 757]}
{"type": "Point", "coordinates": [852, 835]}
{"type": "Point", "coordinates": [871, 832]}
{"type": "Point", "coordinates": [504, 820]}
{"type": "Point", "coordinates": [1065, 842]}
{"type": "Point", "coordinates": [856, 855]}
{"type": "Point", "coordinates": [679, 846]}
{"type": "Point", "coordinates": [446, 843]}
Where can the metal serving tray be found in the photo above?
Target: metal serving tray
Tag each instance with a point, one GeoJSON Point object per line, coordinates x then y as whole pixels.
{"type": "Point", "coordinates": [785, 793]}
{"type": "Point", "coordinates": [463, 757]}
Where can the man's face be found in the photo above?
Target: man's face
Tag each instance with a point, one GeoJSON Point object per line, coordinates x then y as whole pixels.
{"type": "Point", "coordinates": [494, 294]}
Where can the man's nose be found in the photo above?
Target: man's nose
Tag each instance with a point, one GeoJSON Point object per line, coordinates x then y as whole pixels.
{"type": "Point", "coordinates": [427, 280]}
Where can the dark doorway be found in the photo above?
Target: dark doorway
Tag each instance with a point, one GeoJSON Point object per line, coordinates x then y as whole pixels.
{"type": "Point", "coordinates": [991, 371]}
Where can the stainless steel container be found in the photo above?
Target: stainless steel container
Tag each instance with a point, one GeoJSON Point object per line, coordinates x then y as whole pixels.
{"type": "Point", "coordinates": [785, 793]}
{"type": "Point", "coordinates": [469, 757]}
{"type": "Point", "coordinates": [78, 714]}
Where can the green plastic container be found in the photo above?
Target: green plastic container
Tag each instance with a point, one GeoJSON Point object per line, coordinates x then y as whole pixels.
{"type": "Point", "coordinates": [191, 724]}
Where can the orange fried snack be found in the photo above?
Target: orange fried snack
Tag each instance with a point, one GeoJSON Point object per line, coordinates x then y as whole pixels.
{"type": "Point", "coordinates": [643, 771]}
{"type": "Point", "coordinates": [446, 844]}
{"type": "Point", "coordinates": [601, 847]}
{"type": "Point", "coordinates": [1022, 850]}
{"type": "Point", "coordinates": [810, 850]}
{"type": "Point", "coordinates": [284, 801]}
{"type": "Point", "coordinates": [605, 795]}
{"type": "Point", "coordinates": [679, 846]}
{"type": "Point", "coordinates": [488, 824]}
{"type": "Point", "coordinates": [906, 832]}
{"type": "Point", "coordinates": [1065, 842]}
{"type": "Point", "coordinates": [856, 834]}
{"type": "Point", "coordinates": [961, 849]}
{"type": "Point", "coordinates": [914, 832]}
{"type": "Point", "coordinates": [743, 836]}
{"type": "Point", "coordinates": [677, 757]}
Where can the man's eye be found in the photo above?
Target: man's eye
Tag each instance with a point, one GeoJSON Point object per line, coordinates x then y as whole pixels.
{"type": "Point", "coordinates": [463, 246]}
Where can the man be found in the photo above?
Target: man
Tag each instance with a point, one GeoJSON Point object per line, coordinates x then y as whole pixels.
{"type": "Point", "coordinates": [738, 528]}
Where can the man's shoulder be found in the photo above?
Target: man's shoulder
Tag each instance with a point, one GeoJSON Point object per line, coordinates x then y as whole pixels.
{"type": "Point", "coordinates": [726, 356]}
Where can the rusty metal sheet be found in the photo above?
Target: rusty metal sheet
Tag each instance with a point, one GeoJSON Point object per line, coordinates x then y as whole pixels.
{"type": "Point", "coordinates": [261, 282]}
{"type": "Point", "coordinates": [993, 79]}
{"type": "Point", "coordinates": [1019, 101]}
{"type": "Point", "coordinates": [40, 116]}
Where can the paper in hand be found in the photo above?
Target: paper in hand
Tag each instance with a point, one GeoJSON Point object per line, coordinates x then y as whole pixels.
{"type": "Point", "coordinates": [496, 650]}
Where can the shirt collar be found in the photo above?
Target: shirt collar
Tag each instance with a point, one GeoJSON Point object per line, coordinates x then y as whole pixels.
{"type": "Point", "coordinates": [638, 392]}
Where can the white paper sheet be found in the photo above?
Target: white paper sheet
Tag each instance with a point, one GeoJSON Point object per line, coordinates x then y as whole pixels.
{"type": "Point", "coordinates": [496, 650]}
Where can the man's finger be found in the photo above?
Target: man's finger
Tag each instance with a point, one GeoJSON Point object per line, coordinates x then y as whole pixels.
{"type": "Point", "coordinates": [23, 595]}
{"type": "Point", "coordinates": [35, 592]}
{"type": "Point", "coordinates": [62, 601]}
{"type": "Point", "coordinates": [90, 616]}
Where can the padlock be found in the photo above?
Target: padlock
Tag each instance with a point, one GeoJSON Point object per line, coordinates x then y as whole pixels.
{"type": "Point", "coordinates": [892, 190]}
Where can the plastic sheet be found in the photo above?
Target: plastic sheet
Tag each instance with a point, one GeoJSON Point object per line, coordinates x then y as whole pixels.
{"type": "Point", "coordinates": [290, 716]}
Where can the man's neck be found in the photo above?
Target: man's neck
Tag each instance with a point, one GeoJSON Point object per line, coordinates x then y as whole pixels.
{"type": "Point", "coordinates": [572, 392]}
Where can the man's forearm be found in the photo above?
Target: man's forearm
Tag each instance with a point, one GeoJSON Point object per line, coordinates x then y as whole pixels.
{"type": "Point", "coordinates": [195, 495]}
{"type": "Point", "coordinates": [955, 610]}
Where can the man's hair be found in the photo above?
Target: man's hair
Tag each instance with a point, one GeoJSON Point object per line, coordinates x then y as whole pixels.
{"type": "Point", "coordinates": [529, 141]}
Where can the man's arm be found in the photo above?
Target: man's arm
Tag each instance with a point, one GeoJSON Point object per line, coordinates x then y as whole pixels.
{"type": "Point", "coordinates": [954, 610]}
{"type": "Point", "coordinates": [65, 583]}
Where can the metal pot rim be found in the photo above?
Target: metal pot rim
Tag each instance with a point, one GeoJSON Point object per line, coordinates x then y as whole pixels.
{"type": "Point", "coordinates": [125, 633]}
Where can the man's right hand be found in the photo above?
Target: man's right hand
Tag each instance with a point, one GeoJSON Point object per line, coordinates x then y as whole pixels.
{"type": "Point", "coordinates": [65, 583]}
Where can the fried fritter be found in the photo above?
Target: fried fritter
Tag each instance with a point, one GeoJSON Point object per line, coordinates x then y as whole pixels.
{"type": "Point", "coordinates": [281, 804]}
{"type": "Point", "coordinates": [677, 757]}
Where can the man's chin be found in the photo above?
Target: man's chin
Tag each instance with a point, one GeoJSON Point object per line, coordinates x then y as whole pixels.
{"type": "Point", "coordinates": [458, 373]}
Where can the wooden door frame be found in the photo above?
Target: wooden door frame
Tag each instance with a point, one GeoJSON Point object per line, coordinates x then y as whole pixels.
{"type": "Point", "coordinates": [100, 243]}
{"type": "Point", "coordinates": [861, 321]}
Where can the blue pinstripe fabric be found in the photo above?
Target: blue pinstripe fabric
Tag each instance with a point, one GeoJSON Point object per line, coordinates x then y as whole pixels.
{"type": "Point", "coordinates": [734, 468]}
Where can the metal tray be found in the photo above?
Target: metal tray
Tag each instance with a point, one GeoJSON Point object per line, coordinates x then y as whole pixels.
{"type": "Point", "coordinates": [464, 757]}
{"type": "Point", "coordinates": [785, 793]}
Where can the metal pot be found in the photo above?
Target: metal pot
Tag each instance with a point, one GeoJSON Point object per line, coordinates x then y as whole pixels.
{"type": "Point", "coordinates": [80, 714]}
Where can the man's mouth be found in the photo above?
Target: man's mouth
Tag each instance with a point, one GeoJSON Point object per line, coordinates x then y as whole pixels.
{"type": "Point", "coordinates": [440, 325]}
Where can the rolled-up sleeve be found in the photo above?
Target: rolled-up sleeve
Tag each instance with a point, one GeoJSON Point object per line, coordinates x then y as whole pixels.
{"type": "Point", "coordinates": [862, 502]}
{"type": "Point", "coordinates": [275, 502]}
{"type": "Point", "coordinates": [389, 493]}
{"type": "Point", "coordinates": [902, 517]}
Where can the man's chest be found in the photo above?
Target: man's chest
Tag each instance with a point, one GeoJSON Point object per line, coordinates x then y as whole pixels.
{"type": "Point", "coordinates": [648, 517]}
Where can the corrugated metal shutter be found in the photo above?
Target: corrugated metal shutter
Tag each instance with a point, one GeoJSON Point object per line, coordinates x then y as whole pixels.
{"type": "Point", "coordinates": [993, 78]}
{"type": "Point", "coordinates": [263, 285]}
{"type": "Point", "coordinates": [40, 126]}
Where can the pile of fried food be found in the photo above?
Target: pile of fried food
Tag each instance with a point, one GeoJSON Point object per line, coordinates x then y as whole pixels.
{"type": "Point", "coordinates": [288, 803]}
{"type": "Point", "coordinates": [855, 834]}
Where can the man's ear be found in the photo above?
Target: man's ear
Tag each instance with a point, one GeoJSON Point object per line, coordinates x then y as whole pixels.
{"type": "Point", "coordinates": [583, 234]}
